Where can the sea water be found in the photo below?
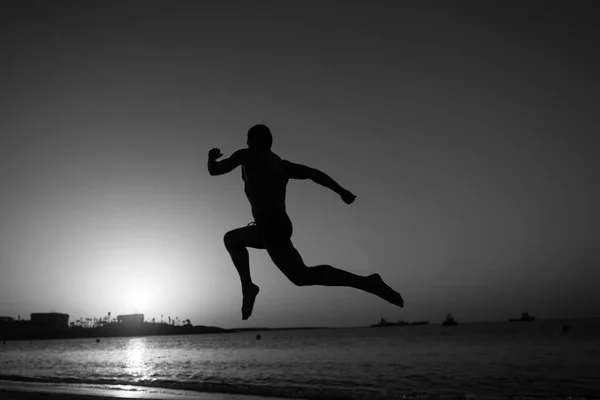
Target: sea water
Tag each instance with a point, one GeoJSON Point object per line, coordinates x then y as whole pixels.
{"type": "Point", "coordinates": [500, 359]}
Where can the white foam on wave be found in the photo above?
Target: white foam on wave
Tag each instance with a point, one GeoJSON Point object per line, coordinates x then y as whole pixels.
{"type": "Point", "coordinates": [123, 391]}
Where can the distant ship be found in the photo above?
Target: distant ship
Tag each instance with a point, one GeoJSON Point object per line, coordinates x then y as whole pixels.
{"type": "Point", "coordinates": [420, 323]}
{"type": "Point", "coordinates": [384, 323]}
{"type": "Point", "coordinates": [449, 321]}
{"type": "Point", "coordinates": [525, 317]}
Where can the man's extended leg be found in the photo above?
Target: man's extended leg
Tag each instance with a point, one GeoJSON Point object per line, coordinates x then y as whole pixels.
{"type": "Point", "coordinates": [236, 243]}
{"type": "Point", "coordinates": [289, 261]}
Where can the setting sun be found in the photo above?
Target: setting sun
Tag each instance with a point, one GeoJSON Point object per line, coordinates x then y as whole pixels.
{"type": "Point", "coordinates": [139, 299]}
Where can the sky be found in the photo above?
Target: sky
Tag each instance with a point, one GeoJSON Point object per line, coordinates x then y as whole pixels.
{"type": "Point", "coordinates": [466, 130]}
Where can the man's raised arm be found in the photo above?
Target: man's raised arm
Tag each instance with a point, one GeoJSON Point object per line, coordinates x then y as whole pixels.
{"type": "Point", "coordinates": [298, 171]}
{"type": "Point", "coordinates": [224, 166]}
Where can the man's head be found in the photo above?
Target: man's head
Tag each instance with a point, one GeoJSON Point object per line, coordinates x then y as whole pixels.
{"type": "Point", "coordinates": [259, 137]}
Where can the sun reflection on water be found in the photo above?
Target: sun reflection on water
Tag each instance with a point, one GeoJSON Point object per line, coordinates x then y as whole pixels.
{"type": "Point", "coordinates": [136, 359]}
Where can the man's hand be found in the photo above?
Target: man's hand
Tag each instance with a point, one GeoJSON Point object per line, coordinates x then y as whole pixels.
{"type": "Point", "coordinates": [347, 196]}
{"type": "Point", "coordinates": [214, 154]}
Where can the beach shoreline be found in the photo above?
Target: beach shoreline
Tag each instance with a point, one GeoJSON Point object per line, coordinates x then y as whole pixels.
{"type": "Point", "coordinates": [13, 390]}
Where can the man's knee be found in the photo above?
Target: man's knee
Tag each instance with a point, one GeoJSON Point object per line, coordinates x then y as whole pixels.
{"type": "Point", "coordinates": [230, 240]}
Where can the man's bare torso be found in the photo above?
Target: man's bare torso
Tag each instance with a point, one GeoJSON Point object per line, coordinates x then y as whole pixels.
{"type": "Point", "coordinates": [265, 179]}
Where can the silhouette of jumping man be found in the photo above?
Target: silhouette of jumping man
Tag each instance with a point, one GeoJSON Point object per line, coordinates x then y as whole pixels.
{"type": "Point", "coordinates": [265, 177]}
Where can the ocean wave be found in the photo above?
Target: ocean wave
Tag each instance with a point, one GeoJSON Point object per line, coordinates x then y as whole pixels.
{"type": "Point", "coordinates": [291, 391]}
{"type": "Point", "coordinates": [374, 365]}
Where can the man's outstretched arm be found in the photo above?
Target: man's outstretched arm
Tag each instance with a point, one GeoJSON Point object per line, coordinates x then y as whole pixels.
{"type": "Point", "coordinates": [298, 171]}
{"type": "Point", "coordinates": [224, 166]}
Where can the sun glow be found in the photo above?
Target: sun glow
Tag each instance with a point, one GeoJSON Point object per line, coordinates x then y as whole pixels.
{"type": "Point", "coordinates": [147, 273]}
{"type": "Point", "coordinates": [140, 286]}
{"type": "Point", "coordinates": [139, 299]}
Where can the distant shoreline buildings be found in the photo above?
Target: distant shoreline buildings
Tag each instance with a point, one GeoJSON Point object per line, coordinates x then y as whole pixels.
{"type": "Point", "coordinates": [50, 320]}
{"type": "Point", "coordinates": [55, 325]}
{"type": "Point", "coordinates": [131, 320]}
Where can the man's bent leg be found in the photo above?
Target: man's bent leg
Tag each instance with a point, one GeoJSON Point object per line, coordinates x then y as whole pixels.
{"type": "Point", "coordinates": [289, 261]}
{"type": "Point", "coordinates": [327, 275]}
{"type": "Point", "coordinates": [236, 243]}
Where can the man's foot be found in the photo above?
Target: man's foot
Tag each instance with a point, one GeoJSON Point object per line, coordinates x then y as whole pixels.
{"type": "Point", "coordinates": [250, 292]}
{"type": "Point", "coordinates": [381, 289]}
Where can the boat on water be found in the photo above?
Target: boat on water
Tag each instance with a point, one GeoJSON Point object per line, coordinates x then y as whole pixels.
{"type": "Point", "coordinates": [525, 317]}
{"type": "Point", "coordinates": [384, 323]}
{"type": "Point", "coordinates": [449, 321]}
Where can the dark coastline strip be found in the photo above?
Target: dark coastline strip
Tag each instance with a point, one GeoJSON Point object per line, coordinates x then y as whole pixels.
{"type": "Point", "coordinates": [77, 333]}
{"type": "Point", "coordinates": [149, 330]}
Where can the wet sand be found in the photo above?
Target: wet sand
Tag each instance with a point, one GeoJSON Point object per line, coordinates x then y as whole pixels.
{"type": "Point", "coordinates": [48, 391]}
